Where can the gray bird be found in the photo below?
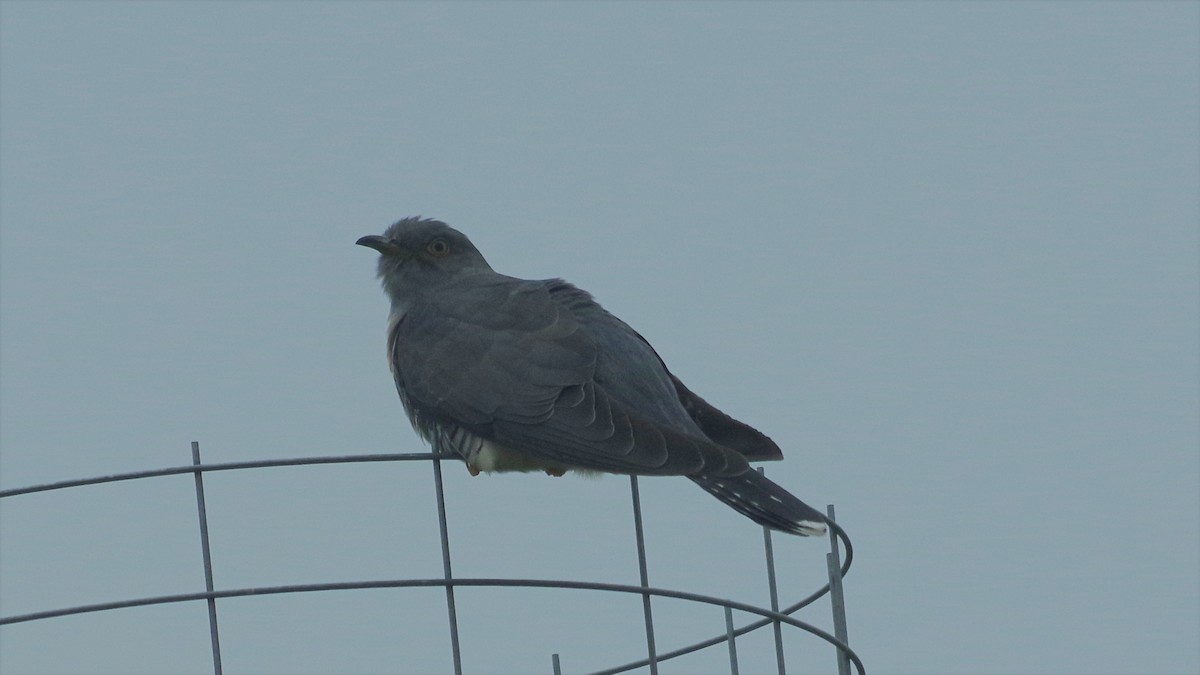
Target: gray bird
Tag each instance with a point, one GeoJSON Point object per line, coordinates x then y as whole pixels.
{"type": "Point", "coordinates": [519, 375]}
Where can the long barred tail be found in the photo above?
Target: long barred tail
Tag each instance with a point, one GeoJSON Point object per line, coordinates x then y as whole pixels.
{"type": "Point", "coordinates": [764, 502]}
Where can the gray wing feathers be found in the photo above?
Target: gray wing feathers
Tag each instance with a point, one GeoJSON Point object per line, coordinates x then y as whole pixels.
{"type": "Point", "coordinates": [598, 433]}
{"type": "Point", "coordinates": [519, 363]}
{"type": "Point", "coordinates": [724, 430]}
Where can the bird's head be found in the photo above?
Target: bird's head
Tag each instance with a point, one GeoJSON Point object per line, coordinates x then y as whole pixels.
{"type": "Point", "coordinates": [417, 255]}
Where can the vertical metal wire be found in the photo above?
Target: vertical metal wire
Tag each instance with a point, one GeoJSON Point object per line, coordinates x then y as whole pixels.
{"type": "Point", "coordinates": [729, 638]}
{"type": "Point", "coordinates": [450, 607]}
{"type": "Point", "coordinates": [214, 636]}
{"type": "Point", "coordinates": [836, 597]}
{"type": "Point", "coordinates": [833, 560]}
{"type": "Point", "coordinates": [641, 549]}
{"type": "Point", "coordinates": [770, 551]}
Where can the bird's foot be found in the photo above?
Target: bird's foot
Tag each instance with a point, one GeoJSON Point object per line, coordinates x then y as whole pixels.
{"type": "Point", "coordinates": [557, 473]}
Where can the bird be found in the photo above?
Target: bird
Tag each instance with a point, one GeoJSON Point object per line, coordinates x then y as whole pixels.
{"type": "Point", "coordinates": [523, 375]}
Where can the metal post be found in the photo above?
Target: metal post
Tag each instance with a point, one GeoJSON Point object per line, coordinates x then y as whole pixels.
{"type": "Point", "coordinates": [836, 597]}
{"type": "Point", "coordinates": [557, 666]}
{"type": "Point", "coordinates": [214, 636]}
{"type": "Point", "coordinates": [774, 596]}
{"type": "Point", "coordinates": [729, 638]}
{"type": "Point", "coordinates": [641, 549]}
{"type": "Point", "coordinates": [449, 576]}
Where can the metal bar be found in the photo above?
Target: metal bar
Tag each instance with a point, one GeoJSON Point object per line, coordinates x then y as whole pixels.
{"type": "Point", "coordinates": [836, 597]}
{"type": "Point", "coordinates": [774, 600]}
{"type": "Point", "coordinates": [770, 553]}
{"type": "Point", "coordinates": [846, 546]}
{"type": "Point", "coordinates": [214, 635]}
{"type": "Point", "coordinates": [449, 576]}
{"type": "Point", "coordinates": [557, 666]}
{"type": "Point", "coordinates": [730, 637]}
{"type": "Point", "coordinates": [641, 550]}
{"type": "Point", "coordinates": [435, 583]}
{"type": "Point", "coordinates": [717, 639]}
{"type": "Point", "coordinates": [226, 466]}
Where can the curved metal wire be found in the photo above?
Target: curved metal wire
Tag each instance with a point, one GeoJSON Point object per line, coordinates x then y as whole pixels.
{"type": "Point", "coordinates": [769, 616]}
{"type": "Point", "coordinates": [750, 627]}
{"type": "Point", "coordinates": [225, 466]}
{"type": "Point", "coordinates": [424, 583]}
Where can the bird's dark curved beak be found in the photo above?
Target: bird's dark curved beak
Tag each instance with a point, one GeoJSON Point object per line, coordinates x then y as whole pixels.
{"type": "Point", "coordinates": [382, 244]}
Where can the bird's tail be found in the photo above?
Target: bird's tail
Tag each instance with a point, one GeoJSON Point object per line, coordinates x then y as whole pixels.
{"type": "Point", "coordinates": [764, 502]}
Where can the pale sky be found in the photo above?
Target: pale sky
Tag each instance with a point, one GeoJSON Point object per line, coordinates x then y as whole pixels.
{"type": "Point", "coordinates": [945, 254]}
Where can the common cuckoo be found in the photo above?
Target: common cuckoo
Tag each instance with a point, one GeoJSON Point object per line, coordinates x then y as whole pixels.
{"type": "Point", "coordinates": [520, 375]}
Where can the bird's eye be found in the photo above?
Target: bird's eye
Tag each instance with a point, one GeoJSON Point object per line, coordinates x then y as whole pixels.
{"type": "Point", "coordinates": [437, 248]}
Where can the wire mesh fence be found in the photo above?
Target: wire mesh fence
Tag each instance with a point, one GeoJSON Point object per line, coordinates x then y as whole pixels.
{"type": "Point", "coordinates": [838, 562]}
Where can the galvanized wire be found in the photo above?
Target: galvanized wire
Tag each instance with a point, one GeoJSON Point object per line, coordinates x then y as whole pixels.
{"type": "Point", "coordinates": [451, 607]}
{"type": "Point", "coordinates": [651, 657]}
{"type": "Point", "coordinates": [837, 597]}
{"type": "Point", "coordinates": [462, 582]}
{"type": "Point", "coordinates": [214, 634]}
{"type": "Point", "coordinates": [836, 534]}
{"type": "Point", "coordinates": [225, 466]}
{"type": "Point", "coordinates": [846, 656]}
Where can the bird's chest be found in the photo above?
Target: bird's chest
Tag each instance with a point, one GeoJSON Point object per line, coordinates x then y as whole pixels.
{"type": "Point", "coordinates": [480, 454]}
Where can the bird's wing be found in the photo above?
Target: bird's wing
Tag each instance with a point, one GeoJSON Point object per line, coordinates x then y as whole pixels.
{"type": "Point", "coordinates": [539, 368]}
{"type": "Point", "coordinates": [724, 430]}
{"type": "Point", "coordinates": [637, 353]}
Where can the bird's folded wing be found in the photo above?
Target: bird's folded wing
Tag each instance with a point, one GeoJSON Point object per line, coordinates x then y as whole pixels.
{"type": "Point", "coordinates": [511, 364]}
{"type": "Point", "coordinates": [724, 430]}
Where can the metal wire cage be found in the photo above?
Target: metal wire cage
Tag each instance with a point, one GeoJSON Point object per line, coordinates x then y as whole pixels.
{"type": "Point", "coordinates": [838, 561]}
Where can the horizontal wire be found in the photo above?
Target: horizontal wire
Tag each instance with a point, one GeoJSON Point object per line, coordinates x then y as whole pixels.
{"type": "Point", "coordinates": [227, 466]}
{"type": "Point", "coordinates": [750, 627]}
{"type": "Point", "coordinates": [782, 616]}
{"type": "Point", "coordinates": [424, 583]}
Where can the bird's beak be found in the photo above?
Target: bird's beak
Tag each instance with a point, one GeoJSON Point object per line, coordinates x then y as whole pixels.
{"type": "Point", "coordinates": [382, 244]}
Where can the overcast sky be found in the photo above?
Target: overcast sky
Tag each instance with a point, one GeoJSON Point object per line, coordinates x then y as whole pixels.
{"type": "Point", "coordinates": [945, 254]}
